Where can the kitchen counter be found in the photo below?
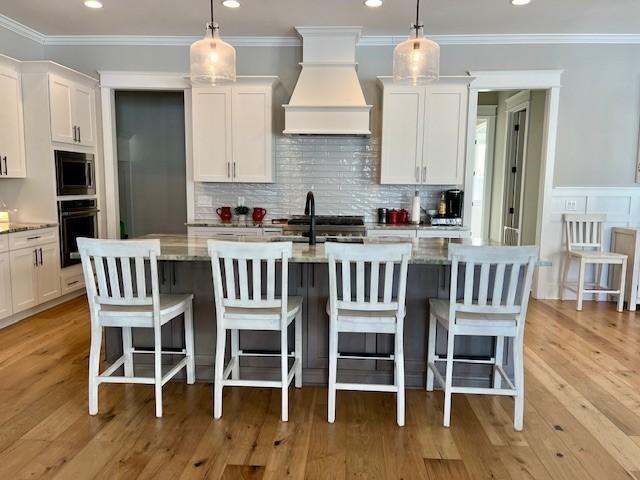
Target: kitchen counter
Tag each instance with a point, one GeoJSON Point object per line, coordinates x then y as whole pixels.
{"type": "Point", "coordinates": [425, 251]}
{"type": "Point", "coordinates": [231, 224]}
{"type": "Point", "coordinates": [13, 227]}
{"type": "Point", "coordinates": [410, 226]}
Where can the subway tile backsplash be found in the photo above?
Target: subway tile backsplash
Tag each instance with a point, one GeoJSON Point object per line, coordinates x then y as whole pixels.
{"type": "Point", "coordinates": [343, 172]}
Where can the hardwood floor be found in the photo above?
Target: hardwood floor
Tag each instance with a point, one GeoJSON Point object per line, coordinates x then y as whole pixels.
{"type": "Point", "coordinates": [582, 415]}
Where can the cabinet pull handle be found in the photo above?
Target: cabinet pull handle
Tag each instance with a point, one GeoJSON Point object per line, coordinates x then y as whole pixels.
{"type": "Point", "coordinates": [73, 283]}
{"type": "Point", "coordinates": [234, 169]}
{"type": "Point", "coordinates": [34, 238]}
{"type": "Point", "coordinates": [229, 169]}
{"type": "Point", "coordinates": [75, 134]}
{"type": "Point", "coordinates": [41, 262]}
{"type": "Point", "coordinates": [424, 174]}
{"type": "Point", "coordinates": [417, 174]}
{"type": "Point", "coordinates": [6, 169]}
{"type": "Point", "coordinates": [35, 257]}
{"type": "Point", "coordinates": [79, 135]}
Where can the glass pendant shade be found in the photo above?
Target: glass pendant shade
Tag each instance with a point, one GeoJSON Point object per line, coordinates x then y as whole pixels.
{"type": "Point", "coordinates": [212, 59]}
{"type": "Point", "coordinates": [416, 60]}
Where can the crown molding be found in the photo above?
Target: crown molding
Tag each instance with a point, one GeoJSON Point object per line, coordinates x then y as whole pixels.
{"type": "Point", "coordinates": [274, 41]}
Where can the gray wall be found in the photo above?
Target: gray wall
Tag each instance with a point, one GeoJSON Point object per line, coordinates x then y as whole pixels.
{"type": "Point", "coordinates": [19, 47]}
{"type": "Point", "coordinates": [599, 102]}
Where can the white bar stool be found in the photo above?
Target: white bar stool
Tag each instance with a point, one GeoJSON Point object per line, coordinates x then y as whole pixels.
{"type": "Point", "coordinates": [120, 299]}
{"type": "Point", "coordinates": [502, 316]}
{"type": "Point", "coordinates": [368, 312]}
{"type": "Point", "coordinates": [241, 305]}
{"type": "Point", "coordinates": [584, 244]}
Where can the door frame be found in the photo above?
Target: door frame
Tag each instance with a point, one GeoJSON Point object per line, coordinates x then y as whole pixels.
{"type": "Point", "coordinates": [550, 81]}
{"type": "Point", "coordinates": [488, 113]}
{"type": "Point", "coordinates": [110, 82]}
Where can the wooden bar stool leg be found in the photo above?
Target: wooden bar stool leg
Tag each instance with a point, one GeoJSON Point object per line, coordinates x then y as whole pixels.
{"type": "Point", "coordinates": [565, 273]}
{"type": "Point", "coordinates": [431, 351]}
{"type": "Point", "coordinates": [623, 279]}
{"type": "Point", "coordinates": [217, 377]}
{"type": "Point", "coordinates": [235, 348]}
{"type": "Point", "coordinates": [127, 347]}
{"type": "Point", "coordinates": [497, 378]}
{"type": "Point", "coordinates": [94, 369]}
{"type": "Point", "coordinates": [518, 367]}
{"type": "Point", "coordinates": [580, 292]}
{"type": "Point", "coordinates": [448, 379]}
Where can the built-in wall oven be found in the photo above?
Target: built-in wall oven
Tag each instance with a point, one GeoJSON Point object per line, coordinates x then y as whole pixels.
{"type": "Point", "coordinates": [75, 173]}
{"type": "Point", "coordinates": [76, 218]}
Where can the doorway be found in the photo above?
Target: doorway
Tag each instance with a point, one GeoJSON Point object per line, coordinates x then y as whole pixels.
{"type": "Point", "coordinates": [150, 134]}
{"type": "Point", "coordinates": [483, 169]}
{"type": "Point", "coordinates": [514, 176]}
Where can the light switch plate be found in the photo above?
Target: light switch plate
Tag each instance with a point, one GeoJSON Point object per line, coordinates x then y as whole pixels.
{"type": "Point", "coordinates": [571, 205]}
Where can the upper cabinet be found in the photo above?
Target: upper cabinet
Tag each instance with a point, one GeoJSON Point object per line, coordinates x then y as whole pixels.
{"type": "Point", "coordinates": [424, 132]}
{"type": "Point", "coordinates": [71, 106]}
{"type": "Point", "coordinates": [12, 151]}
{"type": "Point", "coordinates": [232, 132]}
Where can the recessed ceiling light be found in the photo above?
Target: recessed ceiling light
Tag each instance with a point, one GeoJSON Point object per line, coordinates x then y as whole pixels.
{"type": "Point", "coordinates": [231, 3]}
{"type": "Point", "coordinates": [518, 3]}
{"type": "Point", "coordinates": [92, 4]}
{"type": "Point", "coordinates": [373, 3]}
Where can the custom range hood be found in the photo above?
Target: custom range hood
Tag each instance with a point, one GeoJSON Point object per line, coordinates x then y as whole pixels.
{"type": "Point", "coordinates": [328, 98]}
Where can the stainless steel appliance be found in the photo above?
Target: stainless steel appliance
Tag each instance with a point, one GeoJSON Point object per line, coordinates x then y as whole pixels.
{"type": "Point", "coordinates": [326, 226]}
{"type": "Point", "coordinates": [75, 173]}
{"type": "Point", "coordinates": [453, 201]}
{"type": "Point", "coordinates": [76, 218]}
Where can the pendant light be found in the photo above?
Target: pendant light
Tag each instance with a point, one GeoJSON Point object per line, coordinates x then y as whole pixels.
{"type": "Point", "coordinates": [417, 59]}
{"type": "Point", "coordinates": [212, 59]}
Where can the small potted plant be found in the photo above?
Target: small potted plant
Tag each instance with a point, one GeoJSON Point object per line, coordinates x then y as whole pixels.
{"type": "Point", "coordinates": [241, 213]}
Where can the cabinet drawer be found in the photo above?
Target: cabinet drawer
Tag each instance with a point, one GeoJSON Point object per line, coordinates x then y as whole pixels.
{"type": "Point", "coordinates": [71, 283]}
{"type": "Point", "coordinates": [4, 243]}
{"type": "Point", "coordinates": [32, 238]}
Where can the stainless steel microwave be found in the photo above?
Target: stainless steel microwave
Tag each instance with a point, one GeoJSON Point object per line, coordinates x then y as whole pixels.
{"type": "Point", "coordinates": [75, 173]}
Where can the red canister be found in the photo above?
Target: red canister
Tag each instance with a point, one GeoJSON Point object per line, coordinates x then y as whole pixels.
{"type": "Point", "coordinates": [224, 213]}
{"type": "Point", "coordinates": [403, 216]}
{"type": "Point", "coordinates": [258, 214]}
{"type": "Point", "coordinates": [392, 216]}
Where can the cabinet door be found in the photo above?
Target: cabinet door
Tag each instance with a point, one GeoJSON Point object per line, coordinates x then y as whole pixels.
{"type": "Point", "coordinates": [48, 273]}
{"type": "Point", "coordinates": [61, 109]}
{"type": "Point", "coordinates": [402, 132]}
{"type": "Point", "coordinates": [212, 140]}
{"type": "Point", "coordinates": [252, 156]}
{"type": "Point", "coordinates": [83, 113]}
{"type": "Point", "coordinates": [24, 292]}
{"type": "Point", "coordinates": [12, 158]}
{"type": "Point", "coordinates": [444, 136]}
{"type": "Point", "coordinates": [6, 307]}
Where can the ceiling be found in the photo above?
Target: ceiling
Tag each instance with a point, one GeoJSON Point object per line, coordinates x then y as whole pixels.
{"type": "Point", "coordinates": [277, 17]}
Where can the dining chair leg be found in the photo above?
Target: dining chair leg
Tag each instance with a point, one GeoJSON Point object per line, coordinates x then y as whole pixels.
{"type": "Point", "coordinates": [597, 272]}
{"type": "Point", "coordinates": [580, 285]}
{"type": "Point", "coordinates": [188, 342]}
{"type": "Point", "coordinates": [221, 340]}
{"type": "Point", "coordinates": [298, 347]}
{"type": "Point", "coordinates": [94, 369]}
{"type": "Point", "coordinates": [399, 368]}
{"type": "Point", "coordinates": [518, 368]}
{"type": "Point", "coordinates": [127, 347]}
{"type": "Point", "coordinates": [448, 379]}
{"type": "Point", "coordinates": [497, 378]}
{"type": "Point", "coordinates": [284, 374]}
{"type": "Point", "coordinates": [566, 266]}
{"type": "Point", "coordinates": [333, 367]}
{"type": "Point", "coordinates": [235, 349]}
{"type": "Point", "coordinates": [623, 279]}
{"type": "Point", "coordinates": [157, 357]}
{"type": "Point", "coordinates": [431, 351]}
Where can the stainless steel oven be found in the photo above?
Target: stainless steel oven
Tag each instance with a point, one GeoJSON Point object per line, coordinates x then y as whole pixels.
{"type": "Point", "coordinates": [75, 173]}
{"type": "Point", "coordinates": [76, 218]}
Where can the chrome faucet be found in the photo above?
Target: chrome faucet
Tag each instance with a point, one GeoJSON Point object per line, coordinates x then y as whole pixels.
{"type": "Point", "coordinates": [310, 211]}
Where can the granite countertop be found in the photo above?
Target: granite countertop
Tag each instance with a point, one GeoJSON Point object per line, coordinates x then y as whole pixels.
{"type": "Point", "coordinates": [429, 251]}
{"type": "Point", "coordinates": [13, 227]}
{"type": "Point", "coordinates": [233, 223]}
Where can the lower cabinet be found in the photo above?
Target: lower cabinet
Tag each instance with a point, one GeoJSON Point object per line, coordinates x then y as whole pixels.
{"type": "Point", "coordinates": [35, 276]}
{"type": "Point", "coordinates": [6, 306]}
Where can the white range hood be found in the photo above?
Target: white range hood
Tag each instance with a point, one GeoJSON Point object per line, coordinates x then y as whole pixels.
{"type": "Point", "coordinates": [328, 98]}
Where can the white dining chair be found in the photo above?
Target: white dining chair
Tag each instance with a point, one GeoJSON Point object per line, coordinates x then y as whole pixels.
{"type": "Point", "coordinates": [373, 309]}
{"type": "Point", "coordinates": [114, 274]}
{"type": "Point", "coordinates": [507, 272]}
{"type": "Point", "coordinates": [584, 234]}
{"type": "Point", "coordinates": [241, 304]}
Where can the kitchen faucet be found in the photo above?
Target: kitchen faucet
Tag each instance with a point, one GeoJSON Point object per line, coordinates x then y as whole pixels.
{"type": "Point", "coordinates": [310, 210]}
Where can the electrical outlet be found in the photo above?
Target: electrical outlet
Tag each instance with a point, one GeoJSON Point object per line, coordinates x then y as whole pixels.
{"type": "Point", "coordinates": [241, 201]}
{"type": "Point", "coordinates": [571, 205]}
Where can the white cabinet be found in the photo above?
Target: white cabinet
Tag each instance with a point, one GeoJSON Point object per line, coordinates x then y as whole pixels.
{"type": "Point", "coordinates": [71, 107]}
{"type": "Point", "coordinates": [35, 269]}
{"type": "Point", "coordinates": [232, 132]}
{"type": "Point", "coordinates": [392, 232]}
{"type": "Point", "coordinates": [423, 132]}
{"type": "Point", "coordinates": [444, 233]}
{"type": "Point", "coordinates": [12, 151]}
{"type": "Point", "coordinates": [6, 306]}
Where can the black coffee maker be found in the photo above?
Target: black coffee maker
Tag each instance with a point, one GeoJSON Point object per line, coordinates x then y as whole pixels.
{"type": "Point", "coordinates": [454, 200]}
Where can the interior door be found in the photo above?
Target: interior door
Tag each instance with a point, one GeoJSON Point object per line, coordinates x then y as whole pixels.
{"type": "Point", "coordinates": [24, 292]}
{"type": "Point", "coordinates": [514, 177]}
{"type": "Point", "coordinates": [48, 272]}
{"type": "Point", "coordinates": [61, 109]}
{"type": "Point", "coordinates": [479, 180]}
{"type": "Point", "coordinates": [402, 135]}
{"type": "Point", "coordinates": [82, 101]}
{"type": "Point", "coordinates": [212, 140]}
{"type": "Point", "coordinates": [6, 308]}
{"type": "Point", "coordinates": [251, 135]}
{"type": "Point", "coordinates": [11, 126]}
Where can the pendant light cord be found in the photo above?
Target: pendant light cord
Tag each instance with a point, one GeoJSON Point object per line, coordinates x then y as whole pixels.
{"type": "Point", "coordinates": [417, 25]}
{"type": "Point", "coordinates": [211, 15]}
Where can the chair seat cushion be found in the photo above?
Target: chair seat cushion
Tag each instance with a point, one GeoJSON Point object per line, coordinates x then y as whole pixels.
{"type": "Point", "coordinates": [294, 304]}
{"type": "Point", "coordinates": [142, 315]}
{"type": "Point", "coordinates": [440, 308]}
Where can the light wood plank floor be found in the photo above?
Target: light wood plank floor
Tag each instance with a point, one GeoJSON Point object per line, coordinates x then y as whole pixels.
{"type": "Point", "coordinates": [582, 416]}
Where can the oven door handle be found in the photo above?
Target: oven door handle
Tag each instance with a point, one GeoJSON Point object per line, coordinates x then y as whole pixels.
{"type": "Point", "coordinates": [83, 213]}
